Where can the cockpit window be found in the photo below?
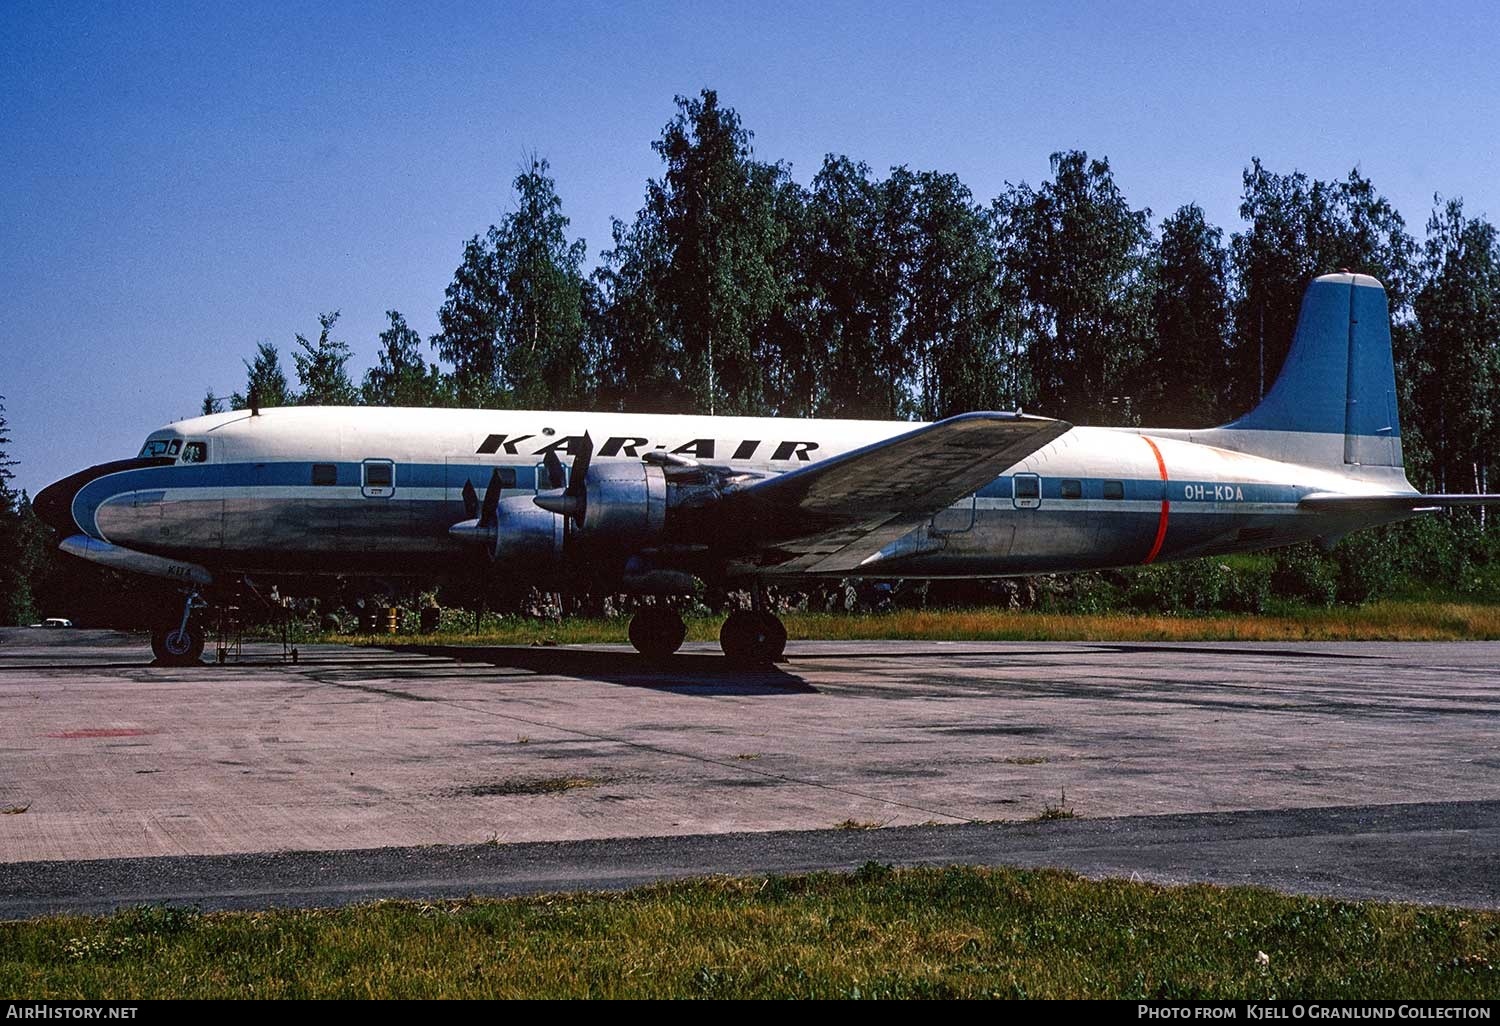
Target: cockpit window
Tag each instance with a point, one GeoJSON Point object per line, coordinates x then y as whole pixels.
{"type": "Point", "coordinates": [156, 447]}
{"type": "Point", "coordinates": [176, 445]}
{"type": "Point", "coordinates": [195, 452]}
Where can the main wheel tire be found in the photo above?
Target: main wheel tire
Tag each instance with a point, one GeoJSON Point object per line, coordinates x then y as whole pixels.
{"type": "Point", "coordinates": [749, 637]}
{"type": "Point", "coordinates": [657, 632]}
{"type": "Point", "coordinates": [174, 646]}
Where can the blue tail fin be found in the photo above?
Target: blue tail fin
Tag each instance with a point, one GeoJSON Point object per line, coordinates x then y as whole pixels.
{"type": "Point", "coordinates": [1338, 378]}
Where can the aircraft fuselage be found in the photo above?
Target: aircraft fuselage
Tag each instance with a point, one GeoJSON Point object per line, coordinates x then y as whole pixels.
{"type": "Point", "coordinates": [375, 491]}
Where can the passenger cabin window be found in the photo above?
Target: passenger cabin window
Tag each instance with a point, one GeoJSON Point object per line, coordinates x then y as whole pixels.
{"type": "Point", "coordinates": [195, 452]}
{"type": "Point", "coordinates": [1072, 489]}
{"type": "Point", "coordinates": [1114, 489]}
{"type": "Point", "coordinates": [1027, 493]}
{"type": "Point", "coordinates": [379, 478]}
{"type": "Point", "coordinates": [325, 474]}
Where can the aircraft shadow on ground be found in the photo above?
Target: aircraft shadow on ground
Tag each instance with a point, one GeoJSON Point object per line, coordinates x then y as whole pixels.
{"type": "Point", "coordinates": [689, 673]}
{"type": "Point", "coordinates": [933, 653]}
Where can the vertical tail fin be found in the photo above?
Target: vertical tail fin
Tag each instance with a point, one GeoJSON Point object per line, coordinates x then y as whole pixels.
{"type": "Point", "coordinates": [1338, 379]}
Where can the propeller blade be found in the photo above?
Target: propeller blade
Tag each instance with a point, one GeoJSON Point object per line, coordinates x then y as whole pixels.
{"type": "Point", "coordinates": [578, 478]}
{"type": "Point", "coordinates": [571, 501]}
{"type": "Point", "coordinates": [555, 476]}
{"type": "Point", "coordinates": [491, 500]}
{"type": "Point", "coordinates": [471, 500]}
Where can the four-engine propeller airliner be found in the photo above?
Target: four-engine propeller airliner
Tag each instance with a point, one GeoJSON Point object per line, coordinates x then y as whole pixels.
{"type": "Point", "coordinates": [642, 503]}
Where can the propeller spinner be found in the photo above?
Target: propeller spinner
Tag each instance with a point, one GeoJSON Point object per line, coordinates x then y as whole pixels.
{"type": "Point", "coordinates": [570, 501]}
{"type": "Point", "coordinates": [482, 527]}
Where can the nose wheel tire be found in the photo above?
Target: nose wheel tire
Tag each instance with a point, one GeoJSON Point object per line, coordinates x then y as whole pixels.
{"type": "Point", "coordinates": [657, 632]}
{"type": "Point", "coordinates": [751, 637]}
{"type": "Point", "coordinates": [176, 646]}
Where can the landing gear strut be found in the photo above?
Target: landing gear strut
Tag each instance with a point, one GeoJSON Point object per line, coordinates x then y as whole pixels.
{"type": "Point", "coordinates": [180, 642]}
{"type": "Point", "coordinates": [657, 632]}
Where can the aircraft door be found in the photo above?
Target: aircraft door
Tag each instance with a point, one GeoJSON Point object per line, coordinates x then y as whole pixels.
{"type": "Point", "coordinates": [956, 519]}
{"type": "Point", "coordinates": [1026, 491]}
{"type": "Point", "coordinates": [378, 479]}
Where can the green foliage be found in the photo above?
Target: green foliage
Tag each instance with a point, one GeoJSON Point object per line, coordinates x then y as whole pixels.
{"type": "Point", "coordinates": [266, 384]}
{"type": "Point", "coordinates": [321, 367]}
{"type": "Point", "coordinates": [1202, 585]}
{"type": "Point", "coordinates": [715, 205]}
{"type": "Point", "coordinates": [1084, 261]}
{"type": "Point", "coordinates": [1456, 368]}
{"type": "Point", "coordinates": [951, 327]}
{"type": "Point", "coordinates": [1364, 567]}
{"type": "Point", "coordinates": [543, 359]}
{"type": "Point", "coordinates": [22, 550]}
{"type": "Point", "coordinates": [878, 932]}
{"type": "Point", "coordinates": [469, 338]}
{"type": "Point", "coordinates": [513, 323]}
{"type": "Point", "coordinates": [1303, 574]}
{"type": "Point", "coordinates": [855, 254]}
{"type": "Point", "coordinates": [1181, 379]}
{"type": "Point", "coordinates": [401, 377]}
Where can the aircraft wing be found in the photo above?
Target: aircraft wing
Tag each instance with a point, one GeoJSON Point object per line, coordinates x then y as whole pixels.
{"type": "Point", "coordinates": [1401, 502]}
{"type": "Point", "coordinates": [832, 514]}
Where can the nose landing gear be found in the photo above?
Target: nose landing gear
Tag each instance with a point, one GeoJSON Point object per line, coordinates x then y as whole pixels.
{"type": "Point", "coordinates": [180, 642]}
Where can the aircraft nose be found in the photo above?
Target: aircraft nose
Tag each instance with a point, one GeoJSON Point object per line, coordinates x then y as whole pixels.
{"type": "Point", "coordinates": [53, 505]}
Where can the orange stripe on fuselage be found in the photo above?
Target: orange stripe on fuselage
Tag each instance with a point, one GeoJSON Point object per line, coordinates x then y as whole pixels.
{"type": "Point", "coordinates": [1166, 507]}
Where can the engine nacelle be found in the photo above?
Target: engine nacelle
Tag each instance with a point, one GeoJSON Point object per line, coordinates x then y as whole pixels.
{"type": "Point", "coordinates": [526, 534]}
{"type": "Point", "coordinates": [625, 503]}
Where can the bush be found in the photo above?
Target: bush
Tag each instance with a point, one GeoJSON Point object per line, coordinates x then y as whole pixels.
{"type": "Point", "coordinates": [1247, 589]}
{"type": "Point", "coordinates": [1365, 566]}
{"type": "Point", "coordinates": [1303, 574]}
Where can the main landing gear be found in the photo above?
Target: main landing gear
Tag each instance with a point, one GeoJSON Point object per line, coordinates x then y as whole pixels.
{"type": "Point", "coordinates": [657, 631]}
{"type": "Point", "coordinates": [753, 636]}
{"type": "Point", "coordinates": [749, 636]}
{"type": "Point", "coordinates": [179, 642]}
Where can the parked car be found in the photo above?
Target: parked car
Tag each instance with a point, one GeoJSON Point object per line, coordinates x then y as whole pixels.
{"type": "Point", "coordinates": [54, 621]}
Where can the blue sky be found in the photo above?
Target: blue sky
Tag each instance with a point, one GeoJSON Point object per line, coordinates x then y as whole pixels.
{"type": "Point", "coordinates": [182, 182]}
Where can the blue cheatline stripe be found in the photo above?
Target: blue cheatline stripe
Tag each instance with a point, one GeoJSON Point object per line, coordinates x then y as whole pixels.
{"type": "Point", "coordinates": [297, 474]}
{"type": "Point", "coordinates": [1154, 489]}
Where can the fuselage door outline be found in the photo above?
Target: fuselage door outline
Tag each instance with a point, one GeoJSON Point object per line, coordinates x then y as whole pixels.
{"type": "Point", "coordinates": [378, 478]}
{"type": "Point", "coordinates": [1026, 491]}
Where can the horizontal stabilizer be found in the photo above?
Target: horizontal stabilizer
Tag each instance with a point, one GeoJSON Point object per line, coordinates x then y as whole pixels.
{"type": "Point", "coordinates": [1407, 502]}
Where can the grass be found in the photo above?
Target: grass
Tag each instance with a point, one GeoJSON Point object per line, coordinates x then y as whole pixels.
{"type": "Point", "coordinates": [874, 933]}
{"type": "Point", "coordinates": [1379, 621]}
{"type": "Point", "coordinates": [1062, 810]}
